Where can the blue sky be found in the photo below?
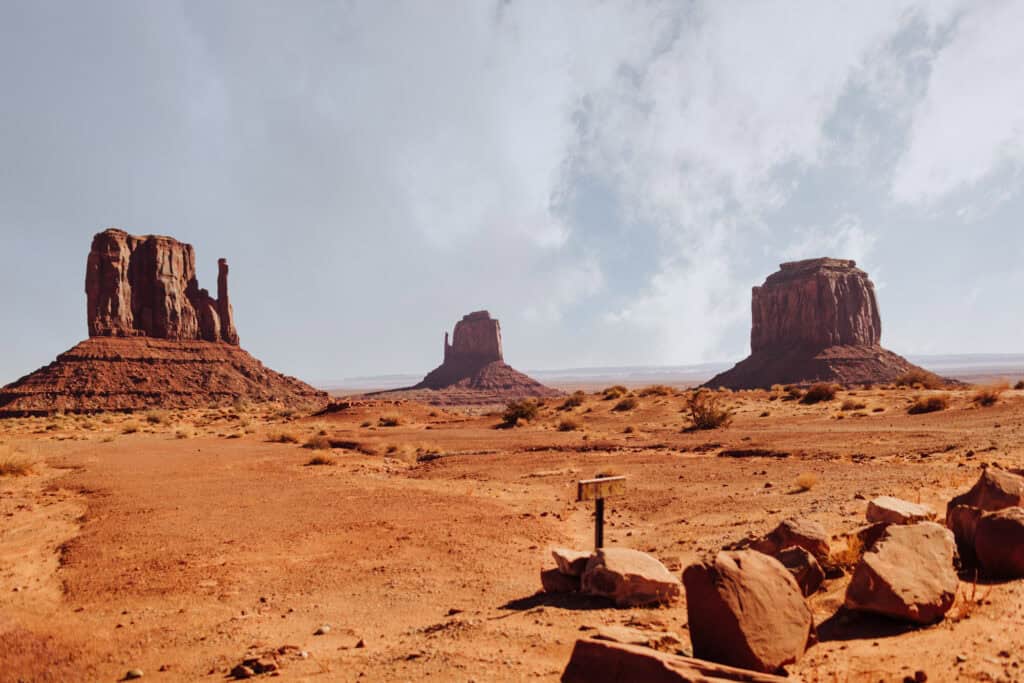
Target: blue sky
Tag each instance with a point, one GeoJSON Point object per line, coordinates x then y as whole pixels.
{"type": "Point", "coordinates": [607, 178]}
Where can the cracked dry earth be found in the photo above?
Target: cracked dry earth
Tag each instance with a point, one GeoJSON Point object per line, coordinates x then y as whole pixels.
{"type": "Point", "coordinates": [181, 543]}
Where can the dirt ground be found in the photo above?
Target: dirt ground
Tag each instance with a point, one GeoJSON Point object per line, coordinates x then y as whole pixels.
{"type": "Point", "coordinates": [180, 543]}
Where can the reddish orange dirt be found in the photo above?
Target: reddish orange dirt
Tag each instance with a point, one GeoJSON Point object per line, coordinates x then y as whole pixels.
{"type": "Point", "coordinates": [180, 543]}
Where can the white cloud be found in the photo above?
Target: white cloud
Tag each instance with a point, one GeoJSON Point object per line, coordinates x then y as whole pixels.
{"type": "Point", "coordinates": [971, 122]}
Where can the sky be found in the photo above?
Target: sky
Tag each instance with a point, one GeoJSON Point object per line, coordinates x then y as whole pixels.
{"type": "Point", "coordinates": [609, 179]}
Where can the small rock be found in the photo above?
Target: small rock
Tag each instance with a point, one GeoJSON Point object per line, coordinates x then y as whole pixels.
{"type": "Point", "coordinates": [554, 581]}
{"type": "Point", "coordinates": [361, 644]}
{"type": "Point", "coordinates": [323, 630]}
{"type": "Point", "coordinates": [132, 674]}
{"type": "Point", "coordinates": [896, 511]}
{"type": "Point", "coordinates": [242, 671]}
{"type": "Point", "coordinates": [804, 568]}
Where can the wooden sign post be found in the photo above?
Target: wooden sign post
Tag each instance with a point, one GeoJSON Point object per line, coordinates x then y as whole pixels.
{"type": "Point", "coordinates": [597, 490]}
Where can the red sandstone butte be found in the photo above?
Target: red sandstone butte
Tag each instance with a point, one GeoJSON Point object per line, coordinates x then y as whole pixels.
{"type": "Point", "coordinates": [156, 341]}
{"type": "Point", "coordinates": [474, 371]}
{"type": "Point", "coordinates": [815, 320]}
{"type": "Point", "coordinates": [146, 286]}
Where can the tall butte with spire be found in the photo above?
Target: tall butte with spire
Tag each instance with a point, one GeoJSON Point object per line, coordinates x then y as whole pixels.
{"type": "Point", "coordinates": [815, 320]}
{"type": "Point", "coordinates": [156, 340]}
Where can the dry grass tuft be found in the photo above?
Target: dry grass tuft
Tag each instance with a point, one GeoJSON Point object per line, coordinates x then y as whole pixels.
{"type": "Point", "coordinates": [568, 425]}
{"type": "Point", "coordinates": [318, 442]}
{"type": "Point", "coordinates": [282, 437]}
{"type": "Point", "coordinates": [806, 481]}
{"type": "Point", "coordinates": [656, 390]}
{"type": "Point", "coordinates": [853, 404]}
{"type": "Point", "coordinates": [389, 420]}
{"type": "Point", "coordinates": [130, 427]}
{"type": "Point", "coordinates": [156, 417]}
{"type": "Point", "coordinates": [14, 463]}
{"type": "Point", "coordinates": [524, 409]}
{"type": "Point", "coordinates": [184, 433]}
{"type": "Point", "coordinates": [819, 392]}
{"type": "Point", "coordinates": [706, 411]}
{"type": "Point", "coordinates": [320, 459]}
{"type": "Point", "coordinates": [612, 393]}
{"type": "Point", "coordinates": [574, 400]}
{"type": "Point", "coordinates": [928, 404]}
{"type": "Point", "coordinates": [921, 379]}
{"type": "Point", "coordinates": [849, 556]}
{"type": "Point", "coordinates": [988, 396]}
{"type": "Point", "coordinates": [625, 404]}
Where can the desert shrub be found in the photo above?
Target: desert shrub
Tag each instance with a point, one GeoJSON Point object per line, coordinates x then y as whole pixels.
{"type": "Point", "coordinates": [928, 404]}
{"type": "Point", "coordinates": [155, 417]}
{"type": "Point", "coordinates": [519, 410]}
{"type": "Point", "coordinates": [794, 393]}
{"type": "Point", "coordinates": [849, 556]}
{"type": "Point", "coordinates": [852, 404]}
{"type": "Point", "coordinates": [568, 425]}
{"type": "Point", "coordinates": [318, 442]}
{"type": "Point", "coordinates": [989, 395]}
{"type": "Point", "coordinates": [389, 421]}
{"type": "Point", "coordinates": [920, 378]}
{"type": "Point", "coordinates": [574, 400]}
{"type": "Point", "coordinates": [765, 413]}
{"type": "Point", "coordinates": [183, 433]}
{"type": "Point", "coordinates": [818, 392]}
{"type": "Point", "coordinates": [656, 390]}
{"type": "Point", "coordinates": [1019, 385]}
{"type": "Point", "coordinates": [366, 423]}
{"type": "Point", "coordinates": [629, 429]}
{"type": "Point", "coordinates": [625, 404]}
{"type": "Point", "coordinates": [130, 428]}
{"type": "Point", "coordinates": [283, 437]}
{"type": "Point", "coordinates": [320, 459]}
{"type": "Point", "coordinates": [806, 481]}
{"type": "Point", "coordinates": [614, 392]}
{"type": "Point", "coordinates": [706, 411]}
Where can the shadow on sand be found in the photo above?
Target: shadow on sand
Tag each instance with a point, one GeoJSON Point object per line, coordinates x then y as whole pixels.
{"type": "Point", "coordinates": [573, 601]}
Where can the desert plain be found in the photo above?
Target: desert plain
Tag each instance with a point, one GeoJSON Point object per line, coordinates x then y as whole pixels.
{"type": "Point", "coordinates": [391, 540]}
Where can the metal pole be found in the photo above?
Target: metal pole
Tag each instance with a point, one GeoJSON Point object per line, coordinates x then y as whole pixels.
{"type": "Point", "coordinates": [599, 524]}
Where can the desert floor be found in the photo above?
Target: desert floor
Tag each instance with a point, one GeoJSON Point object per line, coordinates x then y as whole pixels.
{"type": "Point", "coordinates": [180, 543]}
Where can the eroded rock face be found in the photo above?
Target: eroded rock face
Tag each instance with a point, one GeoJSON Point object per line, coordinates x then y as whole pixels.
{"type": "Point", "coordinates": [814, 304]}
{"type": "Point", "coordinates": [815, 321]}
{"type": "Point", "coordinates": [476, 339]}
{"type": "Point", "coordinates": [147, 287]}
{"type": "Point", "coordinates": [746, 610]}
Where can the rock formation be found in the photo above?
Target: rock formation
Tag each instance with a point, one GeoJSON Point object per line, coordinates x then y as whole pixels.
{"type": "Point", "coordinates": [146, 286]}
{"type": "Point", "coordinates": [474, 370]}
{"type": "Point", "coordinates": [815, 320]}
{"type": "Point", "coordinates": [156, 341]}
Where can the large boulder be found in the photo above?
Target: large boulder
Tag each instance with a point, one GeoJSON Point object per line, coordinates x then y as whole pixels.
{"type": "Point", "coordinates": [571, 562]}
{"type": "Point", "coordinates": [800, 533]}
{"type": "Point", "coordinates": [630, 578]}
{"type": "Point", "coordinates": [595, 661]}
{"type": "Point", "coordinates": [746, 610]}
{"type": "Point", "coordinates": [999, 543]}
{"type": "Point", "coordinates": [907, 575]}
{"type": "Point", "coordinates": [995, 489]}
{"type": "Point", "coordinates": [805, 569]}
{"type": "Point", "coordinates": [889, 510]}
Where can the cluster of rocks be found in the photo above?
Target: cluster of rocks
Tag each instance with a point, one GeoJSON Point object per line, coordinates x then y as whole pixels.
{"type": "Point", "coordinates": [156, 340]}
{"type": "Point", "coordinates": [815, 320]}
{"type": "Point", "coordinates": [746, 606]}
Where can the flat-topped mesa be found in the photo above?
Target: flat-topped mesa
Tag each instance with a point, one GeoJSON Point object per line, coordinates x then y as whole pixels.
{"type": "Point", "coordinates": [815, 321]}
{"type": "Point", "coordinates": [815, 304]}
{"type": "Point", "coordinates": [475, 341]}
{"type": "Point", "coordinates": [147, 287]}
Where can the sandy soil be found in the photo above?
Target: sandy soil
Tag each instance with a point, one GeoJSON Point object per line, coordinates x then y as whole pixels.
{"type": "Point", "coordinates": [182, 543]}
